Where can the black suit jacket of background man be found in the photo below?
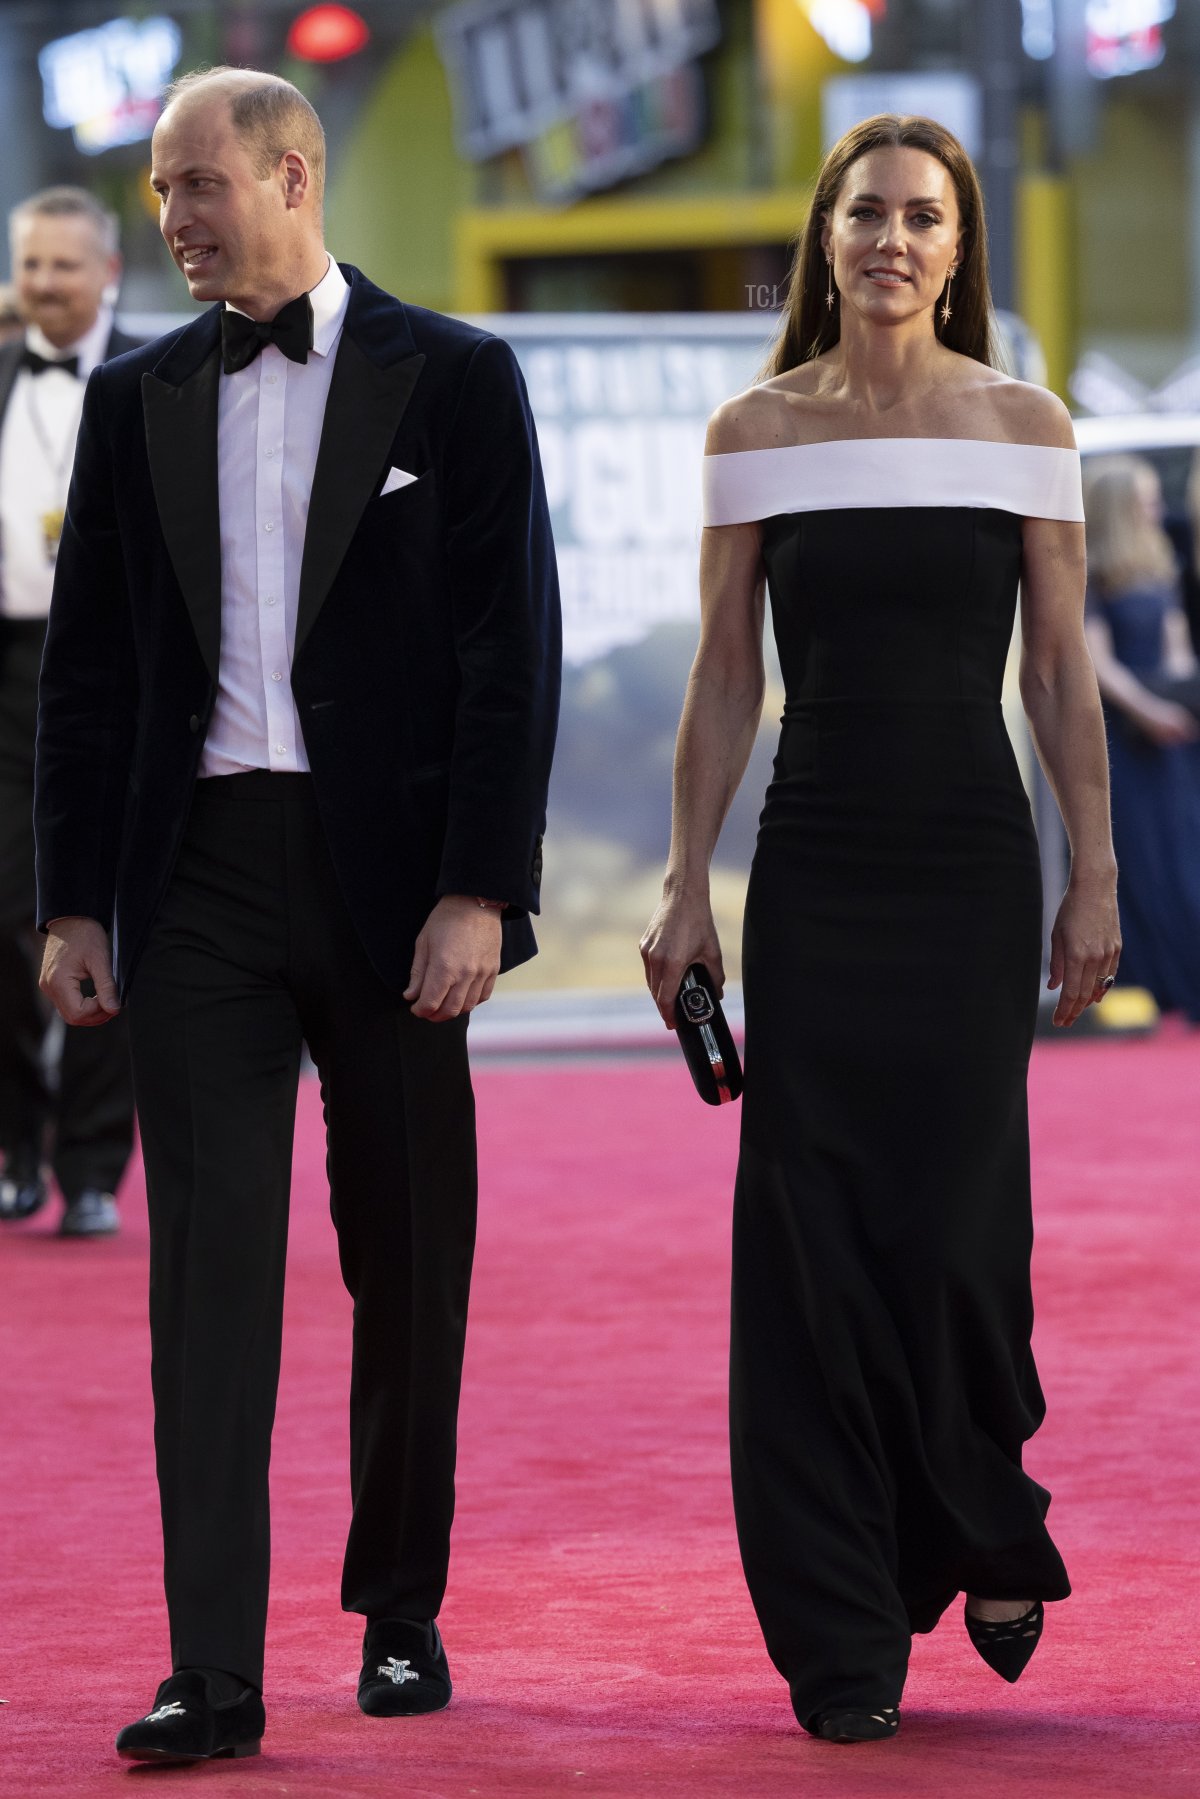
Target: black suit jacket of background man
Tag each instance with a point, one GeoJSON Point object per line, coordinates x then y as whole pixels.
{"type": "Point", "coordinates": [11, 353]}
{"type": "Point", "coordinates": [427, 645]}
{"type": "Point", "coordinates": [89, 1097]}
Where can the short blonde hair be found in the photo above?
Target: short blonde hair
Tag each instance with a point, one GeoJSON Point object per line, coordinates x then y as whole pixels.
{"type": "Point", "coordinates": [1124, 546]}
{"type": "Point", "coordinates": [269, 114]}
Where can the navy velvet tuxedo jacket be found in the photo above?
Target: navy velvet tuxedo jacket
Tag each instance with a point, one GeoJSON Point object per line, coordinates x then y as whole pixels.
{"type": "Point", "coordinates": [427, 650]}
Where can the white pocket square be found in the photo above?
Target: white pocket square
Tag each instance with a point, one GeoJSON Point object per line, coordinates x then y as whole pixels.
{"type": "Point", "coordinates": [397, 477]}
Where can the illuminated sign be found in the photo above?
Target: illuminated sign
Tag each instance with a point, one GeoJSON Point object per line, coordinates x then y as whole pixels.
{"type": "Point", "coordinates": [1125, 36]}
{"type": "Point", "coordinates": [592, 93]}
{"type": "Point", "coordinates": [327, 34]}
{"type": "Point", "coordinates": [106, 85]}
{"type": "Point", "coordinates": [845, 25]}
{"type": "Point", "coordinates": [1037, 29]}
{"type": "Point", "coordinates": [953, 100]}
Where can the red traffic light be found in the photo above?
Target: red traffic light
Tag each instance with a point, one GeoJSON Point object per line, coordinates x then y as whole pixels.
{"type": "Point", "coordinates": [327, 34]}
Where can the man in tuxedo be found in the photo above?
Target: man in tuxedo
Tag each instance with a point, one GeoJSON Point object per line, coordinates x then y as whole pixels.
{"type": "Point", "coordinates": [65, 269]}
{"type": "Point", "coordinates": [297, 714]}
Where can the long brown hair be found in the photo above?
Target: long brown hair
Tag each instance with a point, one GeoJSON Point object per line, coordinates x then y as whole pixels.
{"type": "Point", "coordinates": [1124, 546]}
{"type": "Point", "coordinates": [809, 328]}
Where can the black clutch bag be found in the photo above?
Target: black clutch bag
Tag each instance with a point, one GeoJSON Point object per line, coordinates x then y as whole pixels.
{"type": "Point", "coordinates": [705, 1039]}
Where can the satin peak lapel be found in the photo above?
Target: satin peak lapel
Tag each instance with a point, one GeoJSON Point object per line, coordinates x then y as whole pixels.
{"type": "Point", "coordinates": [362, 416]}
{"type": "Point", "coordinates": [181, 441]}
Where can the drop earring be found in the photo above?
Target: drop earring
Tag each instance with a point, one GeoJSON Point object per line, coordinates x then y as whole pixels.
{"type": "Point", "coordinates": [945, 314]}
{"type": "Point", "coordinates": [829, 291]}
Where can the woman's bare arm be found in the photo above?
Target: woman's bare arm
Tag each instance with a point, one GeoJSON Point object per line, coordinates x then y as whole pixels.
{"type": "Point", "coordinates": [721, 711]}
{"type": "Point", "coordinates": [1062, 702]}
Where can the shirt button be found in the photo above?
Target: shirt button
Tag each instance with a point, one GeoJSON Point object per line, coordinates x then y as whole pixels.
{"type": "Point", "coordinates": [268, 526]}
{"type": "Point", "coordinates": [269, 454]}
{"type": "Point", "coordinates": [275, 675]}
{"type": "Point", "coordinates": [281, 749]}
{"type": "Point", "coordinates": [271, 380]}
{"type": "Point", "coordinates": [193, 723]}
{"type": "Point", "coordinates": [270, 599]}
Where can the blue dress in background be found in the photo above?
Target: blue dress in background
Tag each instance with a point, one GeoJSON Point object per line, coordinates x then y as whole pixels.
{"type": "Point", "coordinates": [1156, 818]}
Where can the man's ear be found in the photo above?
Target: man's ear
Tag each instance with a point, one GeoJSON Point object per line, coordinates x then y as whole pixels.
{"type": "Point", "coordinates": [297, 181]}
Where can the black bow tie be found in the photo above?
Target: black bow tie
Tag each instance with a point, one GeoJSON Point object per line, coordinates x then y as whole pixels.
{"type": "Point", "coordinates": [291, 330]}
{"type": "Point", "coordinates": [37, 365]}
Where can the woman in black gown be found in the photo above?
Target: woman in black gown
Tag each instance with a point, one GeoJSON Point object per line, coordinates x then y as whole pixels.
{"type": "Point", "coordinates": [891, 488]}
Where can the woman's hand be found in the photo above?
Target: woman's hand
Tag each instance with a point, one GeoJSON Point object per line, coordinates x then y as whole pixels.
{"type": "Point", "coordinates": [1085, 945]}
{"type": "Point", "coordinates": [681, 932]}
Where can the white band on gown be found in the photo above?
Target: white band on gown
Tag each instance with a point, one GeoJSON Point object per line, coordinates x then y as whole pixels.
{"type": "Point", "coordinates": [1033, 480]}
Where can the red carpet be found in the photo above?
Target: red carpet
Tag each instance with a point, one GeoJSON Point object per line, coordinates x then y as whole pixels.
{"type": "Point", "coordinates": [599, 1632]}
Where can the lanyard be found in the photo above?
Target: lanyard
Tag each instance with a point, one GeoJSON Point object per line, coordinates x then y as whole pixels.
{"type": "Point", "coordinates": [58, 461]}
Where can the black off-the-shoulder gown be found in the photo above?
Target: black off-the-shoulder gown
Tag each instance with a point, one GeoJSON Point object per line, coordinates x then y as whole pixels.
{"type": "Point", "coordinates": [883, 1383]}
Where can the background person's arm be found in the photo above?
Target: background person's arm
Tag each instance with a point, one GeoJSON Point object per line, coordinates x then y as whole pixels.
{"type": "Point", "coordinates": [1161, 720]}
{"type": "Point", "coordinates": [1179, 656]}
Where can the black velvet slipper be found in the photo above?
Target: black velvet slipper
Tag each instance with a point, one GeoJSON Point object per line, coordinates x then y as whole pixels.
{"type": "Point", "coordinates": [404, 1669]}
{"type": "Point", "coordinates": [187, 1726]}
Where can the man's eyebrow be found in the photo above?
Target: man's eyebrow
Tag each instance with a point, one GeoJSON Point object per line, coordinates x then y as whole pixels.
{"type": "Point", "coordinates": [184, 174]}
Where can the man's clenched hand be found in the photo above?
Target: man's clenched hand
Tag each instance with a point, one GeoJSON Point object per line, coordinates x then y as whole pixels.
{"type": "Point", "coordinates": [77, 973]}
{"type": "Point", "coordinates": [457, 959]}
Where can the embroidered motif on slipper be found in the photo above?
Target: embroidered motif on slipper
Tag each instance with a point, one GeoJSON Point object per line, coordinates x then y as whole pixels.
{"type": "Point", "coordinates": [397, 1671]}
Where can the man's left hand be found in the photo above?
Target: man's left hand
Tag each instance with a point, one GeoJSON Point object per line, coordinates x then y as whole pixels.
{"type": "Point", "coordinates": [457, 959]}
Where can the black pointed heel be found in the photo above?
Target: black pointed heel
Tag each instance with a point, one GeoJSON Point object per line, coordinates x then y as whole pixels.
{"type": "Point", "coordinates": [856, 1727]}
{"type": "Point", "coordinates": [1007, 1647]}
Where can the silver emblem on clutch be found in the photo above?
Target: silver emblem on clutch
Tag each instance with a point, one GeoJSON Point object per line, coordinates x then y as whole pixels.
{"type": "Point", "coordinates": [697, 1006]}
{"type": "Point", "coordinates": [174, 1710]}
{"type": "Point", "coordinates": [397, 1671]}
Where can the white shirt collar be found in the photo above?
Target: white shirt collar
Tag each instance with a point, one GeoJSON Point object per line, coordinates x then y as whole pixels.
{"type": "Point", "coordinates": [329, 299]}
{"type": "Point", "coordinates": [89, 348]}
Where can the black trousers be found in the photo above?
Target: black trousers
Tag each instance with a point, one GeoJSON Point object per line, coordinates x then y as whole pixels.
{"type": "Point", "coordinates": [253, 953]}
{"type": "Point", "coordinates": [79, 1114]}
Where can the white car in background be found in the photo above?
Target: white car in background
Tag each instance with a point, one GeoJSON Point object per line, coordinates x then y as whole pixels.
{"type": "Point", "coordinates": [1167, 439]}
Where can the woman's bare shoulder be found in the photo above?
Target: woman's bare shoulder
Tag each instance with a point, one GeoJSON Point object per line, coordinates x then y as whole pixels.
{"type": "Point", "coordinates": [753, 420]}
{"type": "Point", "coordinates": [1025, 413]}
{"type": "Point", "coordinates": [765, 416]}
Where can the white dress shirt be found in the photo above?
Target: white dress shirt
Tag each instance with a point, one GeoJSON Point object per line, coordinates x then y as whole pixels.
{"type": "Point", "coordinates": [37, 448]}
{"type": "Point", "coordinates": [269, 419]}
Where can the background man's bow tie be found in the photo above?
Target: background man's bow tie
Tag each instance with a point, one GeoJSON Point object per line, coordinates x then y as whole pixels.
{"type": "Point", "coordinates": [291, 330]}
{"type": "Point", "coordinates": [37, 365]}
